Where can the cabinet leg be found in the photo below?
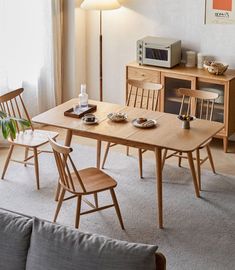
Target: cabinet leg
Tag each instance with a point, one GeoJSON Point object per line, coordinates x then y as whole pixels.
{"type": "Point", "coordinates": [225, 143]}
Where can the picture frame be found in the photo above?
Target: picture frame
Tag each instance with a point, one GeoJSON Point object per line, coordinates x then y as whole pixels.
{"type": "Point", "coordinates": [219, 12]}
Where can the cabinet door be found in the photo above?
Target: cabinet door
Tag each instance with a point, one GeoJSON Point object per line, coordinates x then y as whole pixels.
{"type": "Point", "coordinates": [171, 98]}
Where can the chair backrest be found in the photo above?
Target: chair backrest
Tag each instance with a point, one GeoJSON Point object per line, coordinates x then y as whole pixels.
{"type": "Point", "coordinates": [12, 104]}
{"type": "Point", "coordinates": [144, 95]}
{"type": "Point", "coordinates": [63, 160]}
{"type": "Point", "coordinates": [197, 103]}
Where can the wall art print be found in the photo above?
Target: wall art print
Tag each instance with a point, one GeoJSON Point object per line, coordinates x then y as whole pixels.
{"type": "Point", "coordinates": [219, 11]}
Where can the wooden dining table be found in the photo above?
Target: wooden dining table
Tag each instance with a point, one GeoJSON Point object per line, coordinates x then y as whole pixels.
{"type": "Point", "coordinates": [168, 134]}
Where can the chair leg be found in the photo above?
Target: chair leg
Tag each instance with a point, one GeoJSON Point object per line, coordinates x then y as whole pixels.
{"type": "Point", "coordinates": [140, 163]}
{"type": "Point", "coordinates": [26, 153]}
{"type": "Point", "coordinates": [127, 150]}
{"type": "Point", "coordinates": [59, 204]}
{"type": "Point", "coordinates": [96, 200]}
{"type": "Point", "coordinates": [210, 158]}
{"type": "Point", "coordinates": [36, 167]}
{"type": "Point", "coordinates": [117, 207]}
{"type": "Point", "coordinates": [180, 159]}
{"type": "Point", "coordinates": [198, 168]}
{"type": "Point", "coordinates": [105, 154]}
{"type": "Point", "coordinates": [78, 211]}
{"type": "Point", "coordinates": [164, 158]}
{"type": "Point", "coordinates": [57, 194]}
{"type": "Point", "coordinates": [7, 160]}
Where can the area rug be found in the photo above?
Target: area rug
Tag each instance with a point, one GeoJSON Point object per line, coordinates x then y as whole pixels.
{"type": "Point", "coordinates": [197, 234]}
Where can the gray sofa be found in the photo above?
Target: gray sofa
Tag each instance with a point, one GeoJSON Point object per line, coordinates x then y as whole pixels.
{"type": "Point", "coordinates": [34, 244]}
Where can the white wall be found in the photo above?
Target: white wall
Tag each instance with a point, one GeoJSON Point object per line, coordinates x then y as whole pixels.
{"type": "Point", "coordinates": [181, 19]}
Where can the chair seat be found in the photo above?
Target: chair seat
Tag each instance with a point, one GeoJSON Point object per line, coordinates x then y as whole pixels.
{"type": "Point", "coordinates": [35, 138]}
{"type": "Point", "coordinates": [94, 180]}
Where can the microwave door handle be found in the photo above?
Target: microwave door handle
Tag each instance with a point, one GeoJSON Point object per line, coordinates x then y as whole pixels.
{"type": "Point", "coordinates": [162, 48]}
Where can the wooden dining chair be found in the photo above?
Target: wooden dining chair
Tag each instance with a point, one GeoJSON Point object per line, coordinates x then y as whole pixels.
{"type": "Point", "coordinates": [143, 95]}
{"type": "Point", "coordinates": [31, 139]}
{"type": "Point", "coordinates": [200, 104]}
{"type": "Point", "coordinates": [81, 183]}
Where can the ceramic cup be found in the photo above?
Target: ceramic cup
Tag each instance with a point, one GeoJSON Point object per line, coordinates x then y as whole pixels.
{"type": "Point", "coordinates": [89, 117]}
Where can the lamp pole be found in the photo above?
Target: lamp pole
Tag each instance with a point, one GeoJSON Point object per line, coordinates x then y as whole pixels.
{"type": "Point", "coordinates": [100, 5]}
{"type": "Point", "coordinates": [101, 58]}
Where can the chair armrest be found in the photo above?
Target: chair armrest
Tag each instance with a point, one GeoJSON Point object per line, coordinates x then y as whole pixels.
{"type": "Point", "coordinates": [160, 261]}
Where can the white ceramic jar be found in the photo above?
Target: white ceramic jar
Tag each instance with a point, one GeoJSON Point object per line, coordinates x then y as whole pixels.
{"type": "Point", "coordinates": [190, 59]}
{"type": "Point", "coordinates": [200, 60]}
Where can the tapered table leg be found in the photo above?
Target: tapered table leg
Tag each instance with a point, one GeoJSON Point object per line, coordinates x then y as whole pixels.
{"type": "Point", "coordinates": [195, 182]}
{"type": "Point", "coordinates": [68, 137]}
{"type": "Point", "coordinates": [98, 153]}
{"type": "Point", "coordinates": [158, 158]}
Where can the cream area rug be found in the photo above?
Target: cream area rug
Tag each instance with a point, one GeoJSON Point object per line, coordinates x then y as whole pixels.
{"type": "Point", "coordinates": [198, 233]}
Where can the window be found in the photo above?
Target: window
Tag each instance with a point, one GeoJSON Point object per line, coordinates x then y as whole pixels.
{"type": "Point", "coordinates": [26, 51]}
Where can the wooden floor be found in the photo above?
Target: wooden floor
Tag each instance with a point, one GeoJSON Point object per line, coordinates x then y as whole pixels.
{"type": "Point", "coordinates": [224, 162]}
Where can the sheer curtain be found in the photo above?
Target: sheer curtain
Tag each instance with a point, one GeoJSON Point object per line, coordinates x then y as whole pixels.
{"type": "Point", "coordinates": [31, 39]}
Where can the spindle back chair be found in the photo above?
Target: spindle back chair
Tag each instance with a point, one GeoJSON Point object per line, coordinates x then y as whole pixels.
{"type": "Point", "coordinates": [81, 182]}
{"type": "Point", "coordinates": [143, 95]}
{"type": "Point", "coordinates": [197, 103]}
{"type": "Point", "coordinates": [200, 104]}
{"type": "Point", "coordinates": [13, 105]}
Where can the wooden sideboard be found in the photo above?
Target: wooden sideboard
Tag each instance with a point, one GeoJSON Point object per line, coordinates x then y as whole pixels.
{"type": "Point", "coordinates": [193, 78]}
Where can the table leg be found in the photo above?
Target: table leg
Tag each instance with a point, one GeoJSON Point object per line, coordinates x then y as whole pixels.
{"type": "Point", "coordinates": [225, 142]}
{"type": "Point", "coordinates": [158, 158]}
{"type": "Point", "coordinates": [98, 154]}
{"type": "Point", "coordinates": [68, 137]}
{"type": "Point", "coordinates": [191, 164]}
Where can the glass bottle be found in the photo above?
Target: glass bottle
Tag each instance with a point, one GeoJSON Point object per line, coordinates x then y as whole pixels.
{"type": "Point", "coordinates": [83, 97]}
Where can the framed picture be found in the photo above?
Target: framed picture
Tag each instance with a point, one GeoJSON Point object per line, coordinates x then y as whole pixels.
{"type": "Point", "coordinates": [219, 11]}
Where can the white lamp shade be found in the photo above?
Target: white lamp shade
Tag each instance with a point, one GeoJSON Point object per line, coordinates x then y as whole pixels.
{"type": "Point", "coordinates": [100, 4]}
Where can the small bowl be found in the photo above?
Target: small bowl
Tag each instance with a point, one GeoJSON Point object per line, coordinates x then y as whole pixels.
{"type": "Point", "coordinates": [89, 117]}
{"type": "Point", "coordinates": [185, 117]}
{"type": "Point", "coordinates": [215, 68]}
{"type": "Point", "coordinates": [141, 120]}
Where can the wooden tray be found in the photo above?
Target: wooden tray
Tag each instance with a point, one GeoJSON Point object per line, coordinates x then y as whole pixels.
{"type": "Point", "coordinates": [79, 114]}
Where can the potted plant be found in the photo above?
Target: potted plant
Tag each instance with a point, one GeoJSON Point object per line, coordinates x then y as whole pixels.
{"type": "Point", "coordinates": [8, 125]}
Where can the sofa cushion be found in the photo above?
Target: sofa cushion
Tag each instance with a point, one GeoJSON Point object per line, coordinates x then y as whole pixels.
{"type": "Point", "coordinates": [15, 232]}
{"type": "Point", "coordinates": [55, 247]}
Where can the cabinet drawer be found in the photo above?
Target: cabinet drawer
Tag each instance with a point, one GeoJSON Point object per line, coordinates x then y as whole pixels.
{"type": "Point", "coordinates": [143, 74]}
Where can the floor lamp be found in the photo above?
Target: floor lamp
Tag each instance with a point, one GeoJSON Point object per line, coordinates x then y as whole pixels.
{"type": "Point", "coordinates": [100, 5]}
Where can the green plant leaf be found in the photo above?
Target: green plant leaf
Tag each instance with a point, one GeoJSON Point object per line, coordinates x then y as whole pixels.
{"type": "Point", "coordinates": [3, 114]}
{"type": "Point", "coordinates": [24, 122]}
{"type": "Point", "coordinates": [12, 128]}
{"type": "Point", "coordinates": [5, 129]}
{"type": "Point", "coordinates": [8, 125]}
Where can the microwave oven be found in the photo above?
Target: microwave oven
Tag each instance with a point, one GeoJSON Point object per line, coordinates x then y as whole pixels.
{"type": "Point", "coordinates": [157, 51]}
